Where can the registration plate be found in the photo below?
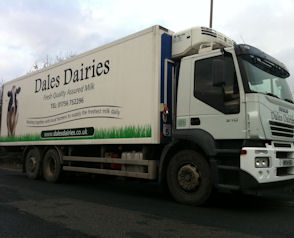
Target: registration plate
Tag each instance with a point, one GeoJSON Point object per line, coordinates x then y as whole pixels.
{"type": "Point", "coordinates": [287, 162]}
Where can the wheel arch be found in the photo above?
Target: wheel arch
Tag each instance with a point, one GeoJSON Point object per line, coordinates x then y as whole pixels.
{"type": "Point", "coordinates": [198, 140]}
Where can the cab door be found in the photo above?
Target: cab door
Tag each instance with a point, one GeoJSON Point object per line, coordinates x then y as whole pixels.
{"type": "Point", "coordinates": [216, 97]}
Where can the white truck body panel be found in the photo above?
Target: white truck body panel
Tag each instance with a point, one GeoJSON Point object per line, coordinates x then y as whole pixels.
{"type": "Point", "coordinates": [105, 96]}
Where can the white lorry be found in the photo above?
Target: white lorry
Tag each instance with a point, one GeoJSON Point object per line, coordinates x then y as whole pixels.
{"type": "Point", "coordinates": [193, 110]}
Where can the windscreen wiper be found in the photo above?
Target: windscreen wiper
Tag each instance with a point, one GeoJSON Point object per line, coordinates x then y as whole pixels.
{"type": "Point", "coordinates": [289, 100]}
{"type": "Point", "coordinates": [273, 95]}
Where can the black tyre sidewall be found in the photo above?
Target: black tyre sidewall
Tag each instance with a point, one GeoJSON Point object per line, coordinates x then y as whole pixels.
{"type": "Point", "coordinates": [202, 193]}
{"type": "Point", "coordinates": [51, 154]}
{"type": "Point", "coordinates": [37, 172]}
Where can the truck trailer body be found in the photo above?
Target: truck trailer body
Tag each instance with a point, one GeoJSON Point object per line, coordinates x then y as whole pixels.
{"type": "Point", "coordinates": [193, 110]}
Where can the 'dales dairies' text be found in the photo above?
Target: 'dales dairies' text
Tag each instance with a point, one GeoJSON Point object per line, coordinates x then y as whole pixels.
{"type": "Point", "coordinates": [73, 75]}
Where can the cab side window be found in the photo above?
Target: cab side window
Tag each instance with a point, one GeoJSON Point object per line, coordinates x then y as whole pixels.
{"type": "Point", "coordinates": [215, 83]}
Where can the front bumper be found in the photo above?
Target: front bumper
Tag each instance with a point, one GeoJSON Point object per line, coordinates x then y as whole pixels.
{"type": "Point", "coordinates": [281, 163]}
{"type": "Point", "coordinates": [250, 185]}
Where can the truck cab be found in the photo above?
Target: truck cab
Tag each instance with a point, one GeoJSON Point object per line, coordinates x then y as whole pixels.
{"type": "Point", "coordinates": [234, 105]}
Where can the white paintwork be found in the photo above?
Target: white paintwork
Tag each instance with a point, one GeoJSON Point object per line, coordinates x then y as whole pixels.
{"type": "Point", "coordinates": [131, 84]}
{"type": "Point", "coordinates": [267, 175]}
{"type": "Point", "coordinates": [218, 124]}
{"type": "Point", "coordinates": [262, 109]}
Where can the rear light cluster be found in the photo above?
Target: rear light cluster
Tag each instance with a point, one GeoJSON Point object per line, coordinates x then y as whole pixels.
{"type": "Point", "coordinates": [243, 152]}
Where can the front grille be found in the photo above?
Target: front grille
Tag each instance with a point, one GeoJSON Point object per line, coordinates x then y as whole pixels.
{"type": "Point", "coordinates": [281, 129]}
{"type": "Point", "coordinates": [284, 145]}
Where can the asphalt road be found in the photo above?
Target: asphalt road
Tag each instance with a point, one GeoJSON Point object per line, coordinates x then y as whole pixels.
{"type": "Point", "coordinates": [81, 206]}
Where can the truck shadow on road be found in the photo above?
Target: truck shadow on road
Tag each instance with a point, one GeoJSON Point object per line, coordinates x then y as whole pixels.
{"type": "Point", "coordinates": [146, 201]}
{"type": "Point", "coordinates": [130, 193]}
{"type": "Point", "coordinates": [128, 189]}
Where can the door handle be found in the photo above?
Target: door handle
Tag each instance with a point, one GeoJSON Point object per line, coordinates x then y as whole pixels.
{"type": "Point", "coordinates": [195, 121]}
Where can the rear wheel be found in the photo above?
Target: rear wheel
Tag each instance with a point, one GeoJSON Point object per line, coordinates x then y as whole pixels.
{"type": "Point", "coordinates": [33, 163]}
{"type": "Point", "coordinates": [189, 178]}
{"type": "Point", "coordinates": [51, 166]}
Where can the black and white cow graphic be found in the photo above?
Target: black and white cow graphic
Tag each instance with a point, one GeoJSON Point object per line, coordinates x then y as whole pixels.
{"type": "Point", "coordinates": [12, 113]}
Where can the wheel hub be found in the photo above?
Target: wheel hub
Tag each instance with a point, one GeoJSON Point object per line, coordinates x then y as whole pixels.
{"type": "Point", "coordinates": [52, 165]}
{"type": "Point", "coordinates": [32, 163]}
{"type": "Point", "coordinates": [188, 177]}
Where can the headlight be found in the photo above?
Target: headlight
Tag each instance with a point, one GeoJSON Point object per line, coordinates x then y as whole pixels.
{"type": "Point", "coordinates": [261, 162]}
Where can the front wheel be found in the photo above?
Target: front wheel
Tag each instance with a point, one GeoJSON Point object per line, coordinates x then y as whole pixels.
{"type": "Point", "coordinates": [189, 178]}
{"type": "Point", "coordinates": [51, 166]}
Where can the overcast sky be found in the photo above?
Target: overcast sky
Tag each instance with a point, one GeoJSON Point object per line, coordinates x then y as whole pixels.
{"type": "Point", "coordinates": [32, 29]}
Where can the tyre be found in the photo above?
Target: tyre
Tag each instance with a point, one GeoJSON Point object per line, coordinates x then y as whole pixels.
{"type": "Point", "coordinates": [189, 178]}
{"type": "Point", "coordinates": [51, 166]}
{"type": "Point", "coordinates": [33, 163]}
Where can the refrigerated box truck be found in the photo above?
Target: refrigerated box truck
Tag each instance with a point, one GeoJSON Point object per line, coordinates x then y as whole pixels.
{"type": "Point", "coordinates": [193, 110]}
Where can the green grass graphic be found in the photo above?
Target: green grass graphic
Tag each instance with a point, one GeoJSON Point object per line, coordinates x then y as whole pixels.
{"type": "Point", "coordinates": [126, 132]}
{"type": "Point", "coordinates": [110, 133]}
{"type": "Point", "coordinates": [27, 137]}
